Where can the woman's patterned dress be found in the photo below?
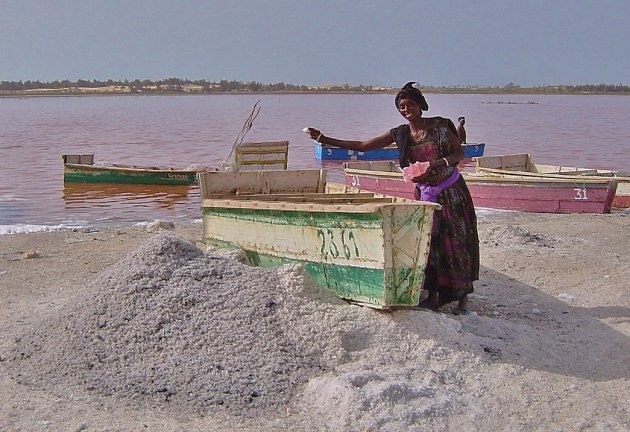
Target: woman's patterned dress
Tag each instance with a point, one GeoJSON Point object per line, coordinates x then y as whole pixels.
{"type": "Point", "coordinates": [453, 262]}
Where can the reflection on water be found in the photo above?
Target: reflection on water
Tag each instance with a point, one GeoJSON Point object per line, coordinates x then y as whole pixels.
{"type": "Point", "coordinates": [165, 195]}
{"type": "Point", "coordinates": [119, 202]}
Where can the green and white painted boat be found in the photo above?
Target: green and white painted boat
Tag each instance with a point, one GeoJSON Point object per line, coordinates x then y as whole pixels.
{"type": "Point", "coordinates": [367, 248]}
{"type": "Point", "coordinates": [81, 169]}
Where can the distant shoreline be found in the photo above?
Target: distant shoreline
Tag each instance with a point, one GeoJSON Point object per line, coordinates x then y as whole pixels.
{"type": "Point", "coordinates": [52, 93]}
{"type": "Point", "coordinates": [178, 86]}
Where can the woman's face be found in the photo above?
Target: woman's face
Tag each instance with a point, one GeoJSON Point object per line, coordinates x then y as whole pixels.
{"type": "Point", "coordinates": [409, 109]}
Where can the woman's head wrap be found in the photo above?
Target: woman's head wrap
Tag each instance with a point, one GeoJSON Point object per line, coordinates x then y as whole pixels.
{"type": "Point", "coordinates": [410, 92]}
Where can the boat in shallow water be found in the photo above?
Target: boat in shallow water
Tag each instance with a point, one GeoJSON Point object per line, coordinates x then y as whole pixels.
{"type": "Point", "coordinates": [543, 195]}
{"type": "Point", "coordinates": [366, 247]}
{"type": "Point", "coordinates": [80, 168]}
{"type": "Point", "coordinates": [522, 165]}
{"type": "Point", "coordinates": [325, 152]}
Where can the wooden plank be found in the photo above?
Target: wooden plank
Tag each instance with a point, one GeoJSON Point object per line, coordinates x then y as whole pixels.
{"type": "Point", "coordinates": [262, 155]}
{"type": "Point", "coordinates": [323, 198]}
{"type": "Point", "coordinates": [359, 207]}
{"type": "Point", "coordinates": [306, 198]}
{"type": "Point", "coordinates": [283, 195]}
{"type": "Point", "coordinates": [261, 182]}
{"type": "Point", "coordinates": [264, 146]}
{"type": "Point", "coordinates": [517, 161]}
{"type": "Point", "coordinates": [79, 159]}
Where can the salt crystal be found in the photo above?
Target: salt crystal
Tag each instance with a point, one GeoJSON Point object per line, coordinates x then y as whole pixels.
{"type": "Point", "coordinates": [414, 170]}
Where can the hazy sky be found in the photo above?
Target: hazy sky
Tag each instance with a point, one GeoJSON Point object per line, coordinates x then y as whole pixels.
{"type": "Point", "coordinates": [380, 42]}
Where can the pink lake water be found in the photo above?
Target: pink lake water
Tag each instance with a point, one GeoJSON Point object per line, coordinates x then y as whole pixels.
{"type": "Point", "coordinates": [589, 131]}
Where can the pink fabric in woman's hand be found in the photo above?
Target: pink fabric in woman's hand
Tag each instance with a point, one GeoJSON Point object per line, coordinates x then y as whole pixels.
{"type": "Point", "coordinates": [414, 170]}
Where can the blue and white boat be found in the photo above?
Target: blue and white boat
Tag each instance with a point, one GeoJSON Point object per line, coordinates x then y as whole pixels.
{"type": "Point", "coordinates": [472, 150]}
{"type": "Point", "coordinates": [325, 152]}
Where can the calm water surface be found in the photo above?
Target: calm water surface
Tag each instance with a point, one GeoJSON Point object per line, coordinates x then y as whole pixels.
{"type": "Point", "coordinates": [181, 131]}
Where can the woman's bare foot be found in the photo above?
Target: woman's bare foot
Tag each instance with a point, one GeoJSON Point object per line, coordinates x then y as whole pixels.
{"type": "Point", "coordinates": [462, 306]}
{"type": "Point", "coordinates": [434, 300]}
{"type": "Point", "coordinates": [431, 302]}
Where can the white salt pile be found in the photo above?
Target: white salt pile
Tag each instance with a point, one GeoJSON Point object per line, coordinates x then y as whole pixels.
{"type": "Point", "coordinates": [187, 332]}
{"type": "Point", "coordinates": [170, 324]}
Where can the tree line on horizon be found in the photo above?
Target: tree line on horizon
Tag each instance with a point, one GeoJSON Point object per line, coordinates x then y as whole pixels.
{"type": "Point", "coordinates": [177, 85]}
{"type": "Point", "coordinates": [170, 85]}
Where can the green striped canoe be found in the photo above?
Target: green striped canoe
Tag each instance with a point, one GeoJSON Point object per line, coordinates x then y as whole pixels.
{"type": "Point", "coordinates": [81, 169]}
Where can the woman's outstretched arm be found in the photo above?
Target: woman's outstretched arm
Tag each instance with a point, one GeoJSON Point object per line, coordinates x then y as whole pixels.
{"type": "Point", "coordinates": [369, 144]}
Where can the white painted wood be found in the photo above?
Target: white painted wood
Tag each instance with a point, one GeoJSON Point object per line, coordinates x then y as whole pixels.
{"type": "Point", "coordinates": [304, 243]}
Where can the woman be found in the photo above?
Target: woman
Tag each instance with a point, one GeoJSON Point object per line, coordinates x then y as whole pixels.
{"type": "Point", "coordinates": [453, 262]}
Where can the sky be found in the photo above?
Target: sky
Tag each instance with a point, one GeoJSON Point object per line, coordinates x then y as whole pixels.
{"type": "Point", "coordinates": [482, 43]}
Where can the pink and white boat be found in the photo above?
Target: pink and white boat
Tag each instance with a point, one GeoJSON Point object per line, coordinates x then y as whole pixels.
{"type": "Point", "coordinates": [513, 192]}
{"type": "Point", "coordinates": [521, 164]}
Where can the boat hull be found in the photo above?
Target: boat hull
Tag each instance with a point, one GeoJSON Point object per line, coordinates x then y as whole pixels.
{"type": "Point", "coordinates": [77, 173]}
{"type": "Point", "coordinates": [522, 165]}
{"type": "Point", "coordinates": [335, 153]}
{"type": "Point", "coordinates": [506, 193]}
{"type": "Point", "coordinates": [472, 150]}
{"type": "Point", "coordinates": [622, 197]}
{"type": "Point", "coordinates": [542, 197]}
{"type": "Point", "coordinates": [373, 253]}
{"type": "Point", "coordinates": [388, 153]}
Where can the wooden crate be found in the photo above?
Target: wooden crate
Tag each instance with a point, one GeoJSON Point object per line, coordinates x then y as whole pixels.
{"type": "Point", "coordinates": [268, 155]}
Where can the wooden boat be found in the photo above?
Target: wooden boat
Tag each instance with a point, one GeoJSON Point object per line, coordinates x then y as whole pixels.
{"type": "Point", "coordinates": [80, 168]}
{"type": "Point", "coordinates": [325, 152]}
{"type": "Point", "coordinates": [367, 248]}
{"type": "Point", "coordinates": [522, 165]}
{"type": "Point", "coordinates": [472, 150]}
{"type": "Point", "coordinates": [543, 195]}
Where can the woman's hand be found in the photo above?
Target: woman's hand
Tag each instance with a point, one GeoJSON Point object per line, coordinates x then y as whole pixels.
{"type": "Point", "coordinates": [421, 178]}
{"type": "Point", "coordinates": [313, 133]}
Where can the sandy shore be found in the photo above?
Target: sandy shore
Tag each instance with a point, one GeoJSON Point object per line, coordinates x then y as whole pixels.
{"type": "Point", "coordinates": [547, 347]}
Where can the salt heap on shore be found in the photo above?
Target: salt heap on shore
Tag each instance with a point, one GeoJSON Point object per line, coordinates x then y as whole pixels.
{"type": "Point", "coordinates": [172, 327]}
